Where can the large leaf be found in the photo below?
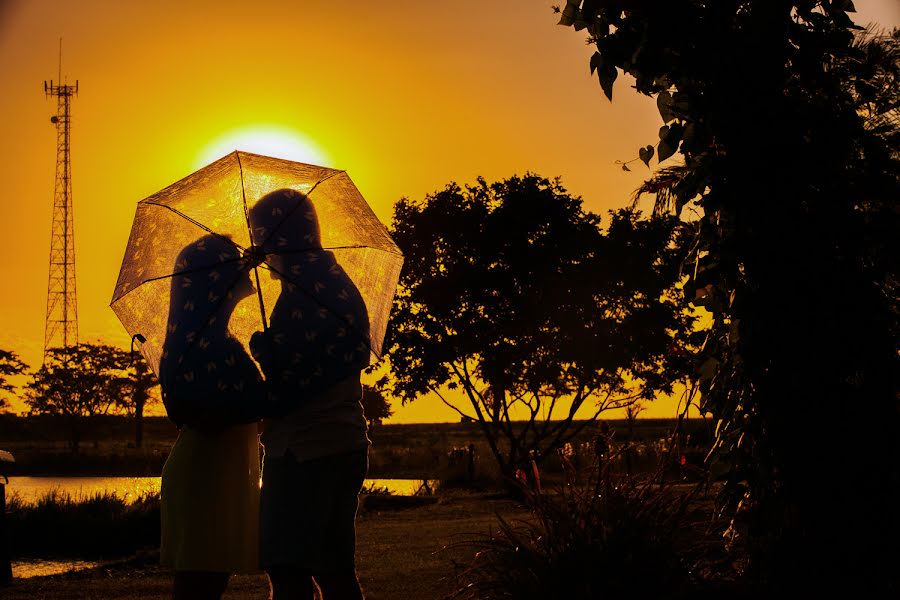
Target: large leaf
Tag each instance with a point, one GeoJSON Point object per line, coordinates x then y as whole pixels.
{"type": "Point", "coordinates": [607, 75]}
{"type": "Point", "coordinates": [570, 13]}
{"type": "Point", "coordinates": [669, 138]}
{"type": "Point", "coordinates": [596, 61]}
{"type": "Point", "coordinates": [664, 103]}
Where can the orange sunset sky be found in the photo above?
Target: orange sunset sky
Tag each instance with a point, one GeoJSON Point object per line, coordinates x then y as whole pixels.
{"type": "Point", "coordinates": [403, 95]}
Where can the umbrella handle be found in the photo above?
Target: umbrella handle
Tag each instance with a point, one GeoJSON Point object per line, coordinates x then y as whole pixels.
{"type": "Point", "coordinates": [139, 338]}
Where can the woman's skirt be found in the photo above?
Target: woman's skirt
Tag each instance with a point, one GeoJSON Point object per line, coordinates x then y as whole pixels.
{"type": "Point", "coordinates": [210, 501]}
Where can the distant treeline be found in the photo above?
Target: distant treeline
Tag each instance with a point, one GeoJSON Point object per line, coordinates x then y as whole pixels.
{"type": "Point", "coordinates": [105, 428]}
{"type": "Point", "coordinates": [120, 428]}
{"type": "Point", "coordinates": [415, 450]}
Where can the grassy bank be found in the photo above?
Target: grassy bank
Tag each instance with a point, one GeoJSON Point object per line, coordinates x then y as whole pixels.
{"type": "Point", "coordinates": [106, 526]}
{"type": "Point", "coordinates": [96, 527]}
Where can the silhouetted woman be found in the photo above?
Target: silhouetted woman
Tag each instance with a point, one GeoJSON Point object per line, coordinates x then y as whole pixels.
{"type": "Point", "coordinates": [212, 391]}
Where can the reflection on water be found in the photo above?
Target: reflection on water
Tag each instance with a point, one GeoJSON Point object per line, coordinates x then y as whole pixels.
{"type": "Point", "coordinates": [402, 487]}
{"type": "Point", "coordinates": [30, 489]}
{"type": "Point", "coordinates": [40, 568]}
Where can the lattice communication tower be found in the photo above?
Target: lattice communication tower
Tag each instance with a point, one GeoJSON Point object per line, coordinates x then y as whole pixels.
{"type": "Point", "coordinates": [61, 326]}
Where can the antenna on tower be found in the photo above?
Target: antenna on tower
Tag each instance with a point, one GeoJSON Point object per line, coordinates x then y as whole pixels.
{"type": "Point", "coordinates": [61, 324]}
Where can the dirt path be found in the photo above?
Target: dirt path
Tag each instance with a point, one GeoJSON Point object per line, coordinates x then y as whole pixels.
{"type": "Point", "coordinates": [402, 554]}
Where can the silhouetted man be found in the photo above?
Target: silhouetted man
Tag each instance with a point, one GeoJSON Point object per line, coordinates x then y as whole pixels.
{"type": "Point", "coordinates": [312, 354]}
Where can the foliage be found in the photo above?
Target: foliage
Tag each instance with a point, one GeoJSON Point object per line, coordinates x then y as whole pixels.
{"type": "Point", "coordinates": [588, 539]}
{"type": "Point", "coordinates": [78, 381]}
{"type": "Point", "coordinates": [512, 294]}
{"type": "Point", "coordinates": [375, 405]}
{"type": "Point", "coordinates": [785, 118]}
{"type": "Point", "coordinates": [10, 366]}
{"type": "Point", "coordinates": [102, 525]}
{"type": "Point", "coordinates": [137, 385]}
{"type": "Point", "coordinates": [135, 393]}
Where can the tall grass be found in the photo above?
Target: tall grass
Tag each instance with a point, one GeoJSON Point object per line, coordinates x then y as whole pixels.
{"type": "Point", "coordinates": [101, 525]}
{"type": "Point", "coordinates": [589, 538]}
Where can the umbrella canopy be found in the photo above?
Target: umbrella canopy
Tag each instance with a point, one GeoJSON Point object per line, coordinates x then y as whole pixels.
{"type": "Point", "coordinates": [253, 244]}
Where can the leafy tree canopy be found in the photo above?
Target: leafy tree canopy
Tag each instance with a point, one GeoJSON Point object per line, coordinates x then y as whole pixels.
{"type": "Point", "coordinates": [512, 293]}
{"type": "Point", "coordinates": [134, 393]}
{"type": "Point", "coordinates": [137, 384]}
{"type": "Point", "coordinates": [786, 121]}
{"type": "Point", "coordinates": [10, 366]}
{"type": "Point", "coordinates": [82, 380]}
{"type": "Point", "coordinates": [375, 405]}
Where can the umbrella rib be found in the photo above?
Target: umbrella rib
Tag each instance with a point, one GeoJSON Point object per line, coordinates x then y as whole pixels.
{"type": "Point", "coordinates": [175, 274]}
{"type": "Point", "coordinates": [198, 224]}
{"type": "Point", "coordinates": [296, 206]}
{"type": "Point", "coordinates": [262, 306]}
{"type": "Point", "coordinates": [356, 246]}
{"type": "Point", "coordinates": [189, 271]}
{"type": "Point", "coordinates": [316, 248]}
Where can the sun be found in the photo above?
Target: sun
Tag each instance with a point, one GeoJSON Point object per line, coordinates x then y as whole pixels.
{"type": "Point", "coordinates": [278, 142]}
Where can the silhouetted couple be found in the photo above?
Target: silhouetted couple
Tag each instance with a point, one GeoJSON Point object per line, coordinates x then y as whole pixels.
{"type": "Point", "coordinates": [215, 520]}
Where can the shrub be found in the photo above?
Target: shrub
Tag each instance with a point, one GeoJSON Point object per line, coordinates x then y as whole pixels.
{"type": "Point", "coordinates": [101, 525]}
{"type": "Point", "coordinates": [587, 539]}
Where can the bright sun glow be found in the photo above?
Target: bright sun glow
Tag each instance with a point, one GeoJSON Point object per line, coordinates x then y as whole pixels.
{"type": "Point", "coordinates": [279, 142]}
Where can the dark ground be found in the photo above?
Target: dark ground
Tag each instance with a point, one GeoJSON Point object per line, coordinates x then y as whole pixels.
{"type": "Point", "coordinates": [402, 554]}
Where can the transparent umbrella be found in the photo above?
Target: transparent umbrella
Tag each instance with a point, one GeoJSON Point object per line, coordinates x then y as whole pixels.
{"type": "Point", "coordinates": [252, 244]}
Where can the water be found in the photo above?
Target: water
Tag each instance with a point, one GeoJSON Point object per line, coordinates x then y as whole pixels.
{"type": "Point", "coordinates": [41, 568]}
{"type": "Point", "coordinates": [30, 489]}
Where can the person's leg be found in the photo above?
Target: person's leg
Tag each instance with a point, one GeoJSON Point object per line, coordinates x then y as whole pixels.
{"type": "Point", "coordinates": [199, 585]}
{"type": "Point", "coordinates": [339, 587]}
{"type": "Point", "coordinates": [307, 525]}
{"type": "Point", "coordinates": [286, 583]}
{"type": "Point", "coordinates": [339, 545]}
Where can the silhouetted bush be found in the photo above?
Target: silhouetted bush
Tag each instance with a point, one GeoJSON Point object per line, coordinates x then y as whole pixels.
{"type": "Point", "coordinates": [587, 539]}
{"type": "Point", "coordinates": [102, 525]}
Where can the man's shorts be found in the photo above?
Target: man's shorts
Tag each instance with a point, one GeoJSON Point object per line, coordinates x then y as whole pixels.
{"type": "Point", "coordinates": [307, 512]}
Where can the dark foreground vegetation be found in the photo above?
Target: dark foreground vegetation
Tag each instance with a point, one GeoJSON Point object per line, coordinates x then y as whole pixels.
{"type": "Point", "coordinates": [784, 121]}
{"type": "Point", "coordinates": [578, 533]}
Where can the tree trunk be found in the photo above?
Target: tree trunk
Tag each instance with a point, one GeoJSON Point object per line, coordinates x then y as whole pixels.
{"type": "Point", "coordinates": [138, 423]}
{"type": "Point", "coordinates": [75, 440]}
{"type": "Point", "coordinates": [629, 445]}
{"type": "Point", "coordinates": [5, 564]}
{"type": "Point", "coordinates": [498, 401]}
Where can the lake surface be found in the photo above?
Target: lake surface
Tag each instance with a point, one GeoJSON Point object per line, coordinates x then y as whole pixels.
{"type": "Point", "coordinates": [30, 489]}
{"type": "Point", "coordinates": [40, 568]}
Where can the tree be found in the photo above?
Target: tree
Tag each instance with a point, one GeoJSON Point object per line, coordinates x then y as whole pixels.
{"type": "Point", "coordinates": [135, 392]}
{"type": "Point", "coordinates": [631, 415]}
{"type": "Point", "coordinates": [375, 405]}
{"type": "Point", "coordinates": [512, 294]}
{"type": "Point", "coordinates": [786, 123]}
{"type": "Point", "coordinates": [77, 382]}
{"type": "Point", "coordinates": [10, 366]}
